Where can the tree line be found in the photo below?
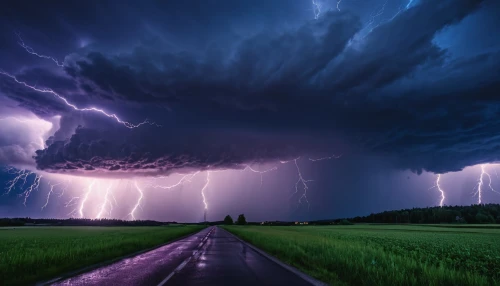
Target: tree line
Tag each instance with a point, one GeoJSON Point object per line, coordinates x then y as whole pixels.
{"type": "Point", "coordinates": [79, 222]}
{"type": "Point", "coordinates": [483, 213]}
{"type": "Point", "coordinates": [228, 220]}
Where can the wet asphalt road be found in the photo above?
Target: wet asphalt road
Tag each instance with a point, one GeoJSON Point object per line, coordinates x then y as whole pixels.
{"type": "Point", "coordinates": [210, 257]}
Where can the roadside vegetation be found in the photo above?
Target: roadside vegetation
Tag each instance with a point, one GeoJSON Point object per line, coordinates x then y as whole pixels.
{"type": "Point", "coordinates": [384, 254]}
{"type": "Point", "coordinates": [31, 254]}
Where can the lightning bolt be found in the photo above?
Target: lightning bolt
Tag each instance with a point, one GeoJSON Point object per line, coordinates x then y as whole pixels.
{"type": "Point", "coordinates": [90, 109]}
{"type": "Point", "coordinates": [85, 198]}
{"type": "Point", "coordinates": [326, 158]}
{"type": "Point", "coordinates": [300, 181]}
{"type": "Point", "coordinates": [138, 203]}
{"type": "Point", "coordinates": [480, 183]}
{"type": "Point", "coordinates": [184, 178]}
{"type": "Point", "coordinates": [316, 9]}
{"type": "Point", "coordinates": [248, 167]}
{"type": "Point", "coordinates": [203, 191]}
{"type": "Point", "coordinates": [374, 15]}
{"type": "Point", "coordinates": [338, 5]}
{"type": "Point", "coordinates": [71, 214]}
{"type": "Point", "coordinates": [21, 175]}
{"type": "Point", "coordinates": [63, 189]}
{"type": "Point", "coordinates": [71, 202]}
{"type": "Point", "coordinates": [379, 12]}
{"type": "Point", "coordinates": [49, 193]}
{"type": "Point", "coordinates": [439, 189]}
{"type": "Point", "coordinates": [409, 4]}
{"type": "Point", "coordinates": [34, 186]}
{"type": "Point", "coordinates": [105, 203]}
{"type": "Point", "coordinates": [31, 51]}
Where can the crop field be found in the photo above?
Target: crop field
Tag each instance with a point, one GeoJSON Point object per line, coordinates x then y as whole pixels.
{"type": "Point", "coordinates": [384, 254]}
{"type": "Point", "coordinates": [31, 254]}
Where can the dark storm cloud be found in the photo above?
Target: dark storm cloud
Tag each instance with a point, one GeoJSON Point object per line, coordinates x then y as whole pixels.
{"type": "Point", "coordinates": [268, 94]}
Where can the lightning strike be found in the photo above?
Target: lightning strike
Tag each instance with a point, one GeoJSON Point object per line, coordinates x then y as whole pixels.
{"type": "Point", "coordinates": [409, 4]}
{"type": "Point", "coordinates": [105, 203]}
{"type": "Point", "coordinates": [49, 193]}
{"type": "Point", "coordinates": [326, 158]}
{"type": "Point", "coordinates": [22, 175]}
{"type": "Point", "coordinates": [90, 109]}
{"type": "Point", "coordinates": [132, 213]}
{"type": "Point", "coordinates": [34, 186]}
{"type": "Point", "coordinates": [248, 167]}
{"type": "Point", "coordinates": [480, 183]}
{"type": "Point", "coordinates": [85, 198]}
{"type": "Point", "coordinates": [316, 9]}
{"type": "Point", "coordinates": [63, 189]}
{"type": "Point", "coordinates": [31, 51]}
{"type": "Point", "coordinates": [183, 179]}
{"type": "Point", "coordinates": [374, 16]}
{"type": "Point", "coordinates": [439, 189]}
{"type": "Point", "coordinates": [203, 191]}
{"type": "Point", "coordinates": [338, 5]}
{"type": "Point", "coordinates": [300, 181]}
{"type": "Point", "coordinates": [71, 202]}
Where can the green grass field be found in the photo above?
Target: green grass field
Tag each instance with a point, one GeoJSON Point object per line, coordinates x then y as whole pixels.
{"type": "Point", "coordinates": [31, 254]}
{"type": "Point", "coordinates": [384, 254]}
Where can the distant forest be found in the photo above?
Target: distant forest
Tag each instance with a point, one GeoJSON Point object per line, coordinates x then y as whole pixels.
{"type": "Point", "coordinates": [484, 213]}
{"type": "Point", "coordinates": [79, 222]}
{"type": "Point", "coordinates": [474, 214]}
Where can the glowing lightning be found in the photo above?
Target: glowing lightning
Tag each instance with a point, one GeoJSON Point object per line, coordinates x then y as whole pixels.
{"type": "Point", "coordinates": [184, 178]}
{"type": "Point", "coordinates": [326, 158]}
{"type": "Point", "coordinates": [260, 172]}
{"type": "Point", "coordinates": [338, 4]}
{"type": "Point", "coordinates": [302, 181]}
{"type": "Point", "coordinates": [50, 193]}
{"type": "Point", "coordinates": [71, 202]}
{"type": "Point", "coordinates": [31, 51]}
{"type": "Point", "coordinates": [480, 183]}
{"type": "Point", "coordinates": [93, 109]}
{"type": "Point", "coordinates": [22, 175]}
{"type": "Point", "coordinates": [85, 197]}
{"type": "Point", "coordinates": [34, 186]}
{"type": "Point", "coordinates": [316, 9]}
{"type": "Point", "coordinates": [106, 202]}
{"type": "Point", "coordinates": [132, 213]}
{"type": "Point", "coordinates": [409, 4]}
{"type": "Point", "coordinates": [203, 191]}
{"type": "Point", "coordinates": [439, 189]}
{"type": "Point", "coordinates": [65, 186]}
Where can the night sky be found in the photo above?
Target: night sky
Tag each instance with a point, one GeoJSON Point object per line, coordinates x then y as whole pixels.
{"type": "Point", "coordinates": [160, 109]}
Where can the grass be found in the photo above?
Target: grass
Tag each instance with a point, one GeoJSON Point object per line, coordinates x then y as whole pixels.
{"type": "Point", "coordinates": [384, 254]}
{"type": "Point", "coordinates": [31, 254]}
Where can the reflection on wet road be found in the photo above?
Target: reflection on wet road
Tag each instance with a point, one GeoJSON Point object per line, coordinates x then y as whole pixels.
{"type": "Point", "coordinates": [210, 257]}
{"type": "Point", "coordinates": [225, 260]}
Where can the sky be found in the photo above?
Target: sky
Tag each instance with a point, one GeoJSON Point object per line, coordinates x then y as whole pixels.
{"type": "Point", "coordinates": [281, 110]}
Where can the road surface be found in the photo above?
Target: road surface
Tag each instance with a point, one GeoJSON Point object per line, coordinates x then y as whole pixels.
{"type": "Point", "coordinates": [210, 257]}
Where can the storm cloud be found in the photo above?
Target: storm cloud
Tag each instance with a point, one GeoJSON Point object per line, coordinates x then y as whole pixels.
{"type": "Point", "coordinates": [226, 96]}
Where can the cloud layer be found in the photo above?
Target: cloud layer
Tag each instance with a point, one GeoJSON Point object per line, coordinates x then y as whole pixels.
{"type": "Point", "coordinates": [320, 87]}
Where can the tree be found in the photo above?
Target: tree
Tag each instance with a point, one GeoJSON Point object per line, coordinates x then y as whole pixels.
{"type": "Point", "coordinates": [228, 220]}
{"type": "Point", "coordinates": [241, 219]}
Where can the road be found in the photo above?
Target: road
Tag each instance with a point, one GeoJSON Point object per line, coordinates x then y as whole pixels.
{"type": "Point", "coordinates": [210, 257]}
